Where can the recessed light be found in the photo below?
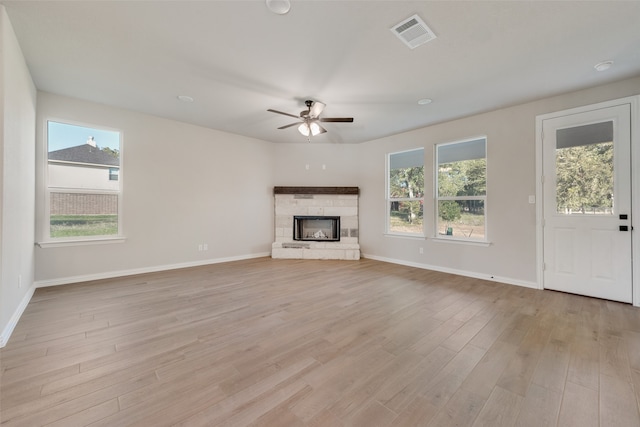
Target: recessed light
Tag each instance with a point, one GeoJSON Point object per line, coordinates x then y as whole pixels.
{"type": "Point", "coordinates": [604, 65]}
{"type": "Point", "coordinates": [279, 7]}
{"type": "Point", "coordinates": [185, 98]}
{"type": "Point", "coordinates": [424, 101]}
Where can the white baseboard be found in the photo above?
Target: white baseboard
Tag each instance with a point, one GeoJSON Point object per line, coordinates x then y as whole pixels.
{"type": "Point", "coordinates": [131, 272]}
{"type": "Point", "coordinates": [13, 321]}
{"type": "Point", "coordinates": [506, 280]}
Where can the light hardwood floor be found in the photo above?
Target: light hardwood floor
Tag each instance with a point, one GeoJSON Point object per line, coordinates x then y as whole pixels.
{"type": "Point", "coordinates": [319, 343]}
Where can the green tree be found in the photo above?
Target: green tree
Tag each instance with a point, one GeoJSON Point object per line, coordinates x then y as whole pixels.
{"type": "Point", "coordinates": [111, 151]}
{"type": "Point", "coordinates": [584, 177]}
{"type": "Point", "coordinates": [407, 183]}
{"type": "Point", "coordinates": [449, 210]}
{"type": "Point", "coordinates": [463, 178]}
{"type": "Point", "coordinates": [475, 172]}
{"type": "Point", "coordinates": [451, 179]}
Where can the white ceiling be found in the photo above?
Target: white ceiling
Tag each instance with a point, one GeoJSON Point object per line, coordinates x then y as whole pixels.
{"type": "Point", "coordinates": [237, 59]}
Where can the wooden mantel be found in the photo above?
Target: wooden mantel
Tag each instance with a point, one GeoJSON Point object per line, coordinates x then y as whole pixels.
{"type": "Point", "coordinates": [316, 190]}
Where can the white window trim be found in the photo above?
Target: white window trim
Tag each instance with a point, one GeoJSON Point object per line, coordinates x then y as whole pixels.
{"type": "Point", "coordinates": [45, 223]}
{"type": "Point", "coordinates": [95, 240]}
{"type": "Point", "coordinates": [456, 239]}
{"type": "Point", "coordinates": [388, 200]}
{"type": "Point", "coordinates": [459, 241]}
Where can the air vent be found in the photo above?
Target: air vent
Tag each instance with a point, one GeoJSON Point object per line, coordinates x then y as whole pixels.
{"type": "Point", "coordinates": [413, 32]}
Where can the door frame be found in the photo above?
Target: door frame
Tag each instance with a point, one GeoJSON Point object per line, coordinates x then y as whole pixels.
{"type": "Point", "coordinates": [634, 102]}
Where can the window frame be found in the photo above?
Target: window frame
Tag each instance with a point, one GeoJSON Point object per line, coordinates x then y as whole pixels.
{"type": "Point", "coordinates": [389, 199]}
{"type": "Point", "coordinates": [46, 239]}
{"type": "Point", "coordinates": [437, 198]}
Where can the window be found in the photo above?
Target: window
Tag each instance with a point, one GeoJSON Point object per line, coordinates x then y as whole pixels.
{"type": "Point", "coordinates": [114, 173]}
{"type": "Point", "coordinates": [405, 192]}
{"type": "Point", "coordinates": [461, 190]}
{"type": "Point", "coordinates": [83, 194]}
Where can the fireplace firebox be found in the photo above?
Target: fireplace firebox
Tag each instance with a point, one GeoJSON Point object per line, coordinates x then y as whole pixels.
{"type": "Point", "coordinates": [316, 228]}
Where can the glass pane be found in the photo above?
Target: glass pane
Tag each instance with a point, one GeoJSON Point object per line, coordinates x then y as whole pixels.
{"type": "Point", "coordinates": [462, 168]}
{"type": "Point", "coordinates": [77, 215]}
{"type": "Point", "coordinates": [406, 182]}
{"type": "Point", "coordinates": [461, 218]}
{"type": "Point", "coordinates": [82, 157]}
{"type": "Point", "coordinates": [406, 217]}
{"type": "Point", "coordinates": [406, 174]}
{"type": "Point", "coordinates": [463, 178]}
{"type": "Point", "coordinates": [584, 179]}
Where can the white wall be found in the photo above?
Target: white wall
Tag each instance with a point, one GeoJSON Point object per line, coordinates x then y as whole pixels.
{"type": "Point", "coordinates": [511, 178]}
{"type": "Point", "coordinates": [17, 154]}
{"type": "Point", "coordinates": [341, 164]}
{"type": "Point", "coordinates": [184, 185]}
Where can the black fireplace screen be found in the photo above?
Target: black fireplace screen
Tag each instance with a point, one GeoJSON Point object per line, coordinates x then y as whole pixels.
{"type": "Point", "coordinates": [316, 228]}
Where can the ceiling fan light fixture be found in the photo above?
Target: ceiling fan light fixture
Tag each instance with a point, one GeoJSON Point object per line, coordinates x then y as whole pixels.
{"type": "Point", "coordinates": [304, 129]}
{"type": "Point", "coordinates": [315, 128]}
{"type": "Point", "coordinates": [307, 129]}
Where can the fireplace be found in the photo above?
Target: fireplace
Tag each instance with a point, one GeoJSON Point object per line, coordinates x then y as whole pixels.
{"type": "Point", "coordinates": [316, 223]}
{"type": "Point", "coordinates": [316, 228]}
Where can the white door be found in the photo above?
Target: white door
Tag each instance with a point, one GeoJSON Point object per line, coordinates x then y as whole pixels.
{"type": "Point", "coordinates": [587, 203]}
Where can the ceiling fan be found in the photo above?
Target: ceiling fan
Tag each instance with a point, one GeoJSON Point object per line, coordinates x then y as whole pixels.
{"type": "Point", "coordinates": [311, 119]}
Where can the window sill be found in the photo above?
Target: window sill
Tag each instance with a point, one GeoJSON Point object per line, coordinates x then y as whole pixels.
{"type": "Point", "coordinates": [460, 241]}
{"type": "Point", "coordinates": [406, 236]}
{"type": "Point", "coordinates": [81, 242]}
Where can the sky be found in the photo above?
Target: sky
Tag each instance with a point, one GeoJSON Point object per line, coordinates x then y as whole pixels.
{"type": "Point", "coordinates": [62, 135]}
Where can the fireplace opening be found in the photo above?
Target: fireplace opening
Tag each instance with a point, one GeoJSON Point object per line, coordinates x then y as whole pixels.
{"type": "Point", "coordinates": [316, 228]}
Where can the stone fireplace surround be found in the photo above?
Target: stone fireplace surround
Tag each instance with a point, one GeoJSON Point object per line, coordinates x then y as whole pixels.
{"type": "Point", "coordinates": [316, 201]}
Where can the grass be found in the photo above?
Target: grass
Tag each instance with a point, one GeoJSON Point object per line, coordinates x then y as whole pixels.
{"type": "Point", "coordinates": [469, 225]}
{"type": "Point", "coordinates": [400, 224]}
{"type": "Point", "coordinates": [83, 225]}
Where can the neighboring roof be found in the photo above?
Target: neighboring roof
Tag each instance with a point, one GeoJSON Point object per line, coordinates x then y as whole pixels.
{"type": "Point", "coordinates": [84, 153]}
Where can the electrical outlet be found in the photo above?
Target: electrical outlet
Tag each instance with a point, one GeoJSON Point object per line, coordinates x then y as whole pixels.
{"type": "Point", "coordinates": [205, 246]}
{"type": "Point", "coordinates": [306, 166]}
{"type": "Point", "coordinates": [421, 250]}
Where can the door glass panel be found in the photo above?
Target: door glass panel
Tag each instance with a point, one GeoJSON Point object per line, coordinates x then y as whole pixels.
{"type": "Point", "coordinates": [584, 170]}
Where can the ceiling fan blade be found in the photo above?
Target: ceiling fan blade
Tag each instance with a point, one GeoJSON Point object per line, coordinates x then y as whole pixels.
{"type": "Point", "coordinates": [337, 119]}
{"type": "Point", "coordinates": [280, 112]}
{"type": "Point", "coordinates": [288, 126]}
{"type": "Point", "coordinates": [316, 109]}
